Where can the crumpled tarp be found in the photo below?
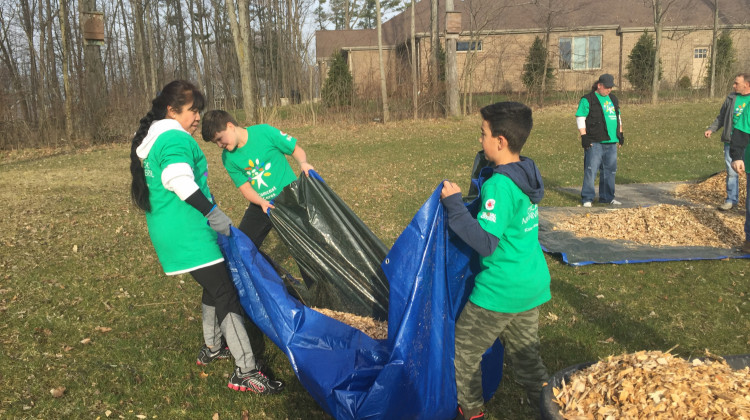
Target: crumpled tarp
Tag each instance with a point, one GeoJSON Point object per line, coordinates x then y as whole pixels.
{"type": "Point", "coordinates": [338, 255]}
{"type": "Point", "coordinates": [350, 375]}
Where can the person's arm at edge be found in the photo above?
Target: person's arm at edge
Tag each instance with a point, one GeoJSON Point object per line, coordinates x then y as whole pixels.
{"type": "Point", "coordinates": [737, 147]}
{"type": "Point", "coordinates": [301, 157]}
{"type": "Point", "coordinates": [252, 196]}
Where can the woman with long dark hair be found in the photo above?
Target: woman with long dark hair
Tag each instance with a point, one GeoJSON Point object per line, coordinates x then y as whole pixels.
{"type": "Point", "coordinates": [169, 184]}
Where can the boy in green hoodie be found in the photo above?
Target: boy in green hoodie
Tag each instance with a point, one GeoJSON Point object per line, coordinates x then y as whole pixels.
{"type": "Point", "coordinates": [514, 279]}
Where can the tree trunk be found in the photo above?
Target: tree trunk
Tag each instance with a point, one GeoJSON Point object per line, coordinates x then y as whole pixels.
{"type": "Point", "coordinates": [65, 69]}
{"type": "Point", "coordinates": [239, 22]}
{"type": "Point", "coordinates": [414, 82]}
{"type": "Point", "coordinates": [153, 85]}
{"type": "Point", "coordinates": [96, 90]}
{"type": "Point", "coordinates": [451, 72]}
{"type": "Point", "coordinates": [383, 90]}
{"type": "Point", "coordinates": [138, 35]}
{"type": "Point", "coordinates": [434, 44]}
{"type": "Point", "coordinates": [28, 28]}
{"type": "Point", "coordinates": [543, 89]}
{"type": "Point", "coordinates": [657, 50]}
{"type": "Point", "coordinates": [714, 45]}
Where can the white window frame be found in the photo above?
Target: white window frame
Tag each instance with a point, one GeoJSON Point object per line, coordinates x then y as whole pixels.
{"type": "Point", "coordinates": [581, 56]}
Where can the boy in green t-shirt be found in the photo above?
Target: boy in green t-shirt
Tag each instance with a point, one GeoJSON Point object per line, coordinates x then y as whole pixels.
{"type": "Point", "coordinates": [255, 159]}
{"type": "Point", "coordinates": [514, 279]}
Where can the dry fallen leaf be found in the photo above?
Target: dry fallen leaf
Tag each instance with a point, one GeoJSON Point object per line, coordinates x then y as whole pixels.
{"type": "Point", "coordinates": [245, 415]}
{"type": "Point", "coordinates": [103, 329]}
{"type": "Point", "coordinates": [57, 392]}
{"type": "Point", "coordinates": [108, 413]}
{"type": "Point", "coordinates": [203, 375]}
{"type": "Point", "coordinates": [86, 341]}
{"type": "Point", "coordinates": [215, 416]}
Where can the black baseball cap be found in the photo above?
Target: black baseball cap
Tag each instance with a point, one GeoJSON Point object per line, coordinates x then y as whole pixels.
{"type": "Point", "coordinates": [607, 80]}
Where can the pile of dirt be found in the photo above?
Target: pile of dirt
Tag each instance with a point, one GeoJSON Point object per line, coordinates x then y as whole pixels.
{"type": "Point", "coordinates": [661, 225]}
{"type": "Point", "coordinates": [375, 329]}
{"type": "Point", "coordinates": [712, 191]}
{"type": "Point", "coordinates": [656, 385]}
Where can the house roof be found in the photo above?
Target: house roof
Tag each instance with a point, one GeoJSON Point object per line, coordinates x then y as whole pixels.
{"type": "Point", "coordinates": [532, 16]}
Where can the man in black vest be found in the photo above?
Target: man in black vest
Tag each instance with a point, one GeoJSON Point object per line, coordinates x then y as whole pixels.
{"type": "Point", "coordinates": [598, 120]}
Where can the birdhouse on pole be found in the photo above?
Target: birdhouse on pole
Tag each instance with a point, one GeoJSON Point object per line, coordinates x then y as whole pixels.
{"type": "Point", "coordinates": [93, 27]}
{"type": "Point", "coordinates": [453, 24]}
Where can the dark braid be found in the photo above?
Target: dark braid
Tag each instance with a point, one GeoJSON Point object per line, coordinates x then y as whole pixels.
{"type": "Point", "coordinates": [175, 94]}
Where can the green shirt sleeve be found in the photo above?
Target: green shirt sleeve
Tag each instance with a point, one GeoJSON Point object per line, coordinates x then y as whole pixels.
{"type": "Point", "coordinates": [583, 108]}
{"type": "Point", "coordinates": [283, 141]}
{"type": "Point", "coordinates": [237, 174]}
{"type": "Point", "coordinates": [175, 147]}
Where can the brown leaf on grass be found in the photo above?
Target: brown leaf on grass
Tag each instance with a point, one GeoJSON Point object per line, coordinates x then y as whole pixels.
{"type": "Point", "coordinates": [67, 348]}
{"type": "Point", "coordinates": [86, 341]}
{"type": "Point", "coordinates": [103, 329]}
{"type": "Point", "coordinates": [203, 375]}
{"type": "Point", "coordinates": [245, 415]}
{"type": "Point", "coordinates": [57, 392]}
{"type": "Point", "coordinates": [215, 416]}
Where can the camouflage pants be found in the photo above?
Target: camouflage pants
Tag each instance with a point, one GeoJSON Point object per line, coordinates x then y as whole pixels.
{"type": "Point", "coordinates": [476, 330]}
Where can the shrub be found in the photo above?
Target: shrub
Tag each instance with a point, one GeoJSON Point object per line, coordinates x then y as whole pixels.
{"type": "Point", "coordinates": [533, 70]}
{"type": "Point", "coordinates": [684, 83]}
{"type": "Point", "coordinates": [640, 68]}
{"type": "Point", "coordinates": [726, 56]}
{"type": "Point", "coordinates": [338, 88]}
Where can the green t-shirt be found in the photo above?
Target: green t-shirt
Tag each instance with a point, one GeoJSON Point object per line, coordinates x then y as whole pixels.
{"type": "Point", "coordinates": [182, 239]}
{"type": "Point", "coordinates": [515, 278]}
{"type": "Point", "coordinates": [610, 115]}
{"type": "Point", "coordinates": [262, 161]}
{"type": "Point", "coordinates": [741, 118]}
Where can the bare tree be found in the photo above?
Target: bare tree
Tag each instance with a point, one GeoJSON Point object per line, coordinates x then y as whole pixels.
{"type": "Point", "coordinates": [239, 21]}
{"type": "Point", "coordinates": [660, 9]}
{"type": "Point", "coordinates": [65, 71]}
{"type": "Point", "coordinates": [414, 82]}
{"type": "Point", "coordinates": [383, 90]}
{"type": "Point", "coordinates": [714, 43]}
{"type": "Point", "coordinates": [451, 73]}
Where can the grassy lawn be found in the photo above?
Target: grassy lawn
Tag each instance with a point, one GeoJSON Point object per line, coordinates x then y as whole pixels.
{"type": "Point", "coordinates": [76, 261]}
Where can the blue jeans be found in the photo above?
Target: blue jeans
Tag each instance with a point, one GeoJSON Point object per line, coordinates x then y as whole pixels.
{"type": "Point", "coordinates": [596, 156]}
{"type": "Point", "coordinates": [732, 180]}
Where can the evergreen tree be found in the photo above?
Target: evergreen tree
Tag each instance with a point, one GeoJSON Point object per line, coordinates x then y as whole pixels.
{"type": "Point", "coordinates": [338, 88]}
{"type": "Point", "coordinates": [640, 67]}
{"type": "Point", "coordinates": [533, 70]}
{"type": "Point", "coordinates": [726, 56]}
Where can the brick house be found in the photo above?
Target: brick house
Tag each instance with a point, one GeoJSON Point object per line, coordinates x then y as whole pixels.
{"type": "Point", "coordinates": [586, 38]}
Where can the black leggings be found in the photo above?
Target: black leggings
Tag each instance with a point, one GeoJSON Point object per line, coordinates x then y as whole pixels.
{"type": "Point", "coordinates": [218, 290]}
{"type": "Point", "coordinates": [255, 224]}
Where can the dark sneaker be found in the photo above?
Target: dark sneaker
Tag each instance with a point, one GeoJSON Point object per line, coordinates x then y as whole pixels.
{"type": "Point", "coordinates": [479, 415]}
{"type": "Point", "coordinates": [205, 356]}
{"type": "Point", "coordinates": [254, 381]}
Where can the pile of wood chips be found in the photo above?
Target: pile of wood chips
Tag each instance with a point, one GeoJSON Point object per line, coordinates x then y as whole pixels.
{"type": "Point", "coordinates": [656, 385]}
{"type": "Point", "coordinates": [661, 225]}
{"type": "Point", "coordinates": [375, 329]}
{"type": "Point", "coordinates": [712, 191]}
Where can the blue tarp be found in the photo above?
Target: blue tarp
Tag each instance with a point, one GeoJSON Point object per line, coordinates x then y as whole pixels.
{"type": "Point", "coordinates": [409, 375]}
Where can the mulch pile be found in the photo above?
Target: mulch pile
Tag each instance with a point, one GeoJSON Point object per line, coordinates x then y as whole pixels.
{"type": "Point", "coordinates": [656, 385]}
{"type": "Point", "coordinates": [375, 329]}
{"type": "Point", "coordinates": [661, 225]}
{"type": "Point", "coordinates": [712, 191]}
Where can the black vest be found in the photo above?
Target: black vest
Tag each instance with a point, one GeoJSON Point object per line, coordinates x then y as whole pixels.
{"type": "Point", "coordinates": [596, 126]}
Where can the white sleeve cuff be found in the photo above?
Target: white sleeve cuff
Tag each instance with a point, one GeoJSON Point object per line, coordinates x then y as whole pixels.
{"type": "Point", "coordinates": [178, 177]}
{"type": "Point", "coordinates": [581, 122]}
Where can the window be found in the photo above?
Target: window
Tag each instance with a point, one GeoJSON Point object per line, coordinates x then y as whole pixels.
{"type": "Point", "coordinates": [468, 46]}
{"type": "Point", "coordinates": [581, 52]}
{"type": "Point", "coordinates": [701, 52]}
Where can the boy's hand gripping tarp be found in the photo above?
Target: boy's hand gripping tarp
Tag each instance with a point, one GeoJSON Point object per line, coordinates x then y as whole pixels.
{"type": "Point", "coordinates": [352, 376]}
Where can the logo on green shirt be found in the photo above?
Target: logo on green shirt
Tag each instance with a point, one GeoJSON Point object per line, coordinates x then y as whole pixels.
{"type": "Point", "coordinates": [256, 171]}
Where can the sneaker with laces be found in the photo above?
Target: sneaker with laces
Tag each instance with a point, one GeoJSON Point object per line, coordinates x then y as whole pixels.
{"type": "Point", "coordinates": [726, 206]}
{"type": "Point", "coordinates": [205, 356]}
{"type": "Point", "coordinates": [615, 203]}
{"type": "Point", "coordinates": [254, 381]}
{"type": "Point", "coordinates": [587, 204]}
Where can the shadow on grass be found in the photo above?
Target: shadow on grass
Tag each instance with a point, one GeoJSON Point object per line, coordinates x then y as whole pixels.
{"type": "Point", "coordinates": [602, 319]}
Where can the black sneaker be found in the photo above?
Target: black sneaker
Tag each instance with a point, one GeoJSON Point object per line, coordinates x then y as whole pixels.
{"type": "Point", "coordinates": [205, 356]}
{"type": "Point", "coordinates": [254, 381]}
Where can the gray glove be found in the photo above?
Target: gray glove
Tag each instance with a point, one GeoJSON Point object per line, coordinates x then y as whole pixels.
{"type": "Point", "coordinates": [219, 221]}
